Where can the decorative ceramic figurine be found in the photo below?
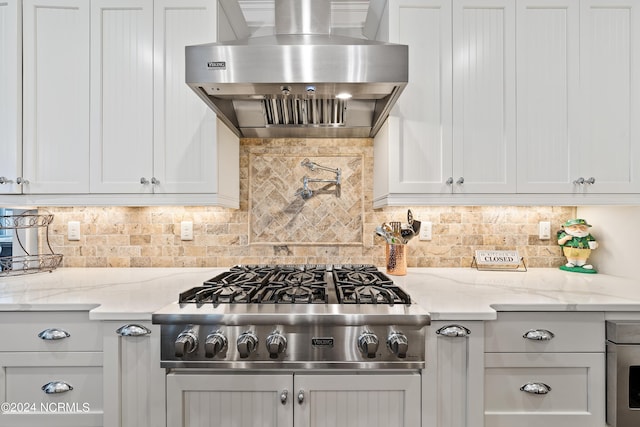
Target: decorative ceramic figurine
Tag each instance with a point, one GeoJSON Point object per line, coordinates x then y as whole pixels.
{"type": "Point", "coordinates": [577, 243]}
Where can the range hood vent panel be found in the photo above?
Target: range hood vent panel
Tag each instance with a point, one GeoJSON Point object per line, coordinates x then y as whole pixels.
{"type": "Point", "coordinates": [286, 85]}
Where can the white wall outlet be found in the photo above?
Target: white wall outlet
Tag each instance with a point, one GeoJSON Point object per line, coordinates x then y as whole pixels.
{"type": "Point", "coordinates": [544, 230]}
{"type": "Point", "coordinates": [73, 230]}
{"type": "Point", "coordinates": [425, 230]}
{"type": "Point", "coordinates": [186, 230]}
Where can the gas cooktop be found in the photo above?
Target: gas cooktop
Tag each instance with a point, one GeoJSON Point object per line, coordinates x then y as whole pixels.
{"type": "Point", "coordinates": [298, 284]}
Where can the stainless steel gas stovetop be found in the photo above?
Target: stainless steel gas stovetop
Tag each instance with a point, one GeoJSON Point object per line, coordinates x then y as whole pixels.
{"type": "Point", "coordinates": [294, 316]}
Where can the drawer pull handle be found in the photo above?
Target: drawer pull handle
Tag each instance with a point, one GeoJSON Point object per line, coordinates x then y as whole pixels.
{"type": "Point", "coordinates": [133, 331]}
{"type": "Point", "coordinates": [536, 388]}
{"type": "Point", "coordinates": [453, 331]}
{"type": "Point", "coordinates": [56, 387]}
{"type": "Point", "coordinates": [53, 334]}
{"type": "Point", "coordinates": [539, 335]}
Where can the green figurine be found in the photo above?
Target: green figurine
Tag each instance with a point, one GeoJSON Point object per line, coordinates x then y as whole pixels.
{"type": "Point", "coordinates": [577, 243]}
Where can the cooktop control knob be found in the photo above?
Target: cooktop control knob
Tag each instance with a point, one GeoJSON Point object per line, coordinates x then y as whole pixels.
{"type": "Point", "coordinates": [215, 343]}
{"type": "Point", "coordinates": [398, 344]}
{"type": "Point", "coordinates": [247, 344]}
{"type": "Point", "coordinates": [276, 344]}
{"type": "Point", "coordinates": [187, 342]}
{"type": "Point", "coordinates": [368, 344]}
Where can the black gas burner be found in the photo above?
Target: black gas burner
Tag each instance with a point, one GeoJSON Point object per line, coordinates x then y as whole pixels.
{"type": "Point", "coordinates": [298, 284]}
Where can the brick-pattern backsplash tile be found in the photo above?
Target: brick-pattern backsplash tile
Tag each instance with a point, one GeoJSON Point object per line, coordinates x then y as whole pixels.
{"type": "Point", "coordinates": [150, 236]}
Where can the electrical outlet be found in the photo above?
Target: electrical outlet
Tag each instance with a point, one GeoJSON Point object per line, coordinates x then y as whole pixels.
{"type": "Point", "coordinates": [425, 230]}
{"type": "Point", "coordinates": [73, 230]}
{"type": "Point", "coordinates": [186, 230]}
{"type": "Point", "coordinates": [544, 230]}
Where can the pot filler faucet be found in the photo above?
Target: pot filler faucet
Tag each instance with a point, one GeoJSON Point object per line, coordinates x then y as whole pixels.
{"type": "Point", "coordinates": [306, 192]}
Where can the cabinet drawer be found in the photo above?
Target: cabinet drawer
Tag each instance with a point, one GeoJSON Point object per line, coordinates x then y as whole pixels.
{"type": "Point", "coordinates": [20, 331]}
{"type": "Point", "coordinates": [23, 375]}
{"type": "Point", "coordinates": [575, 399]}
{"type": "Point", "coordinates": [572, 332]}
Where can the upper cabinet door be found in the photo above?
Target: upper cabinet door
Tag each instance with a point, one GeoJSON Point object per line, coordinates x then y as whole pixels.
{"type": "Point", "coordinates": [484, 96]}
{"type": "Point", "coordinates": [609, 146]}
{"type": "Point", "coordinates": [185, 155]}
{"type": "Point", "coordinates": [419, 142]}
{"type": "Point", "coordinates": [548, 83]}
{"type": "Point", "coordinates": [121, 96]}
{"type": "Point", "coordinates": [56, 96]}
{"type": "Point", "coordinates": [10, 97]}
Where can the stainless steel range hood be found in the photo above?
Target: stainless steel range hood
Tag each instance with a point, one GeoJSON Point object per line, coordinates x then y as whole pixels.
{"type": "Point", "coordinates": [290, 84]}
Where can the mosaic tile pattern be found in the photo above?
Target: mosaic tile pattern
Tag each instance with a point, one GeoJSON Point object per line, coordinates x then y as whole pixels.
{"type": "Point", "coordinates": [278, 214]}
{"type": "Point", "coordinates": [150, 237]}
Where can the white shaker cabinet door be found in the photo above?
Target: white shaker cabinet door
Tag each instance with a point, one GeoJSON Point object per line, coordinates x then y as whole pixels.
{"type": "Point", "coordinates": [609, 146]}
{"type": "Point", "coordinates": [484, 96]}
{"type": "Point", "coordinates": [10, 97]}
{"type": "Point", "coordinates": [121, 96]}
{"type": "Point", "coordinates": [357, 400]}
{"type": "Point", "coordinates": [56, 96]}
{"type": "Point", "coordinates": [239, 400]}
{"type": "Point", "coordinates": [185, 140]}
{"type": "Point", "coordinates": [413, 151]}
{"type": "Point", "coordinates": [548, 99]}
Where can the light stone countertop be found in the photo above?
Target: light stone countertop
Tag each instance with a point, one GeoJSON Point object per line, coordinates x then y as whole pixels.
{"type": "Point", "coordinates": [446, 293]}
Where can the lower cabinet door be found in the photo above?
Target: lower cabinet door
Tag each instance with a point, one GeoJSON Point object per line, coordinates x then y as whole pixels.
{"type": "Point", "coordinates": [51, 389]}
{"type": "Point", "coordinates": [544, 389]}
{"type": "Point", "coordinates": [238, 400]}
{"type": "Point", "coordinates": [339, 400]}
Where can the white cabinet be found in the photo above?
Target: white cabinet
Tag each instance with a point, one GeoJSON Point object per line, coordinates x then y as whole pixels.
{"type": "Point", "coordinates": [10, 96]}
{"type": "Point", "coordinates": [149, 132]}
{"type": "Point", "coordinates": [134, 382]}
{"type": "Point", "coordinates": [577, 96]}
{"type": "Point", "coordinates": [300, 400]}
{"type": "Point", "coordinates": [453, 129]}
{"type": "Point", "coordinates": [454, 377]}
{"type": "Point", "coordinates": [545, 369]}
{"type": "Point", "coordinates": [50, 369]}
{"type": "Point", "coordinates": [56, 96]}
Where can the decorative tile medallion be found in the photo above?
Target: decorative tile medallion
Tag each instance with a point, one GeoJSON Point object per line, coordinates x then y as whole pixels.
{"type": "Point", "coordinates": [280, 212]}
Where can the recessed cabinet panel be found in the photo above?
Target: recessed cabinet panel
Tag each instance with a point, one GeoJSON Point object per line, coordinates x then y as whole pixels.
{"type": "Point", "coordinates": [10, 96]}
{"type": "Point", "coordinates": [548, 79]}
{"type": "Point", "coordinates": [184, 127]}
{"type": "Point", "coordinates": [423, 152]}
{"type": "Point", "coordinates": [56, 96]}
{"type": "Point", "coordinates": [484, 96]}
{"type": "Point", "coordinates": [610, 60]}
{"type": "Point", "coordinates": [121, 95]}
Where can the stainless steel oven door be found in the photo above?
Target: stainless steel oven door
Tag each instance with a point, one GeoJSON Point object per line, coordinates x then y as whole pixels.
{"type": "Point", "coordinates": [623, 385]}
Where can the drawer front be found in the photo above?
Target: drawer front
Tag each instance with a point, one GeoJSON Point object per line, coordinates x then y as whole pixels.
{"type": "Point", "coordinates": [572, 332]}
{"type": "Point", "coordinates": [20, 331]}
{"type": "Point", "coordinates": [575, 396]}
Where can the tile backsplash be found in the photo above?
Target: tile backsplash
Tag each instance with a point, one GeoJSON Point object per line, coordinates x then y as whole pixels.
{"type": "Point", "coordinates": [274, 225]}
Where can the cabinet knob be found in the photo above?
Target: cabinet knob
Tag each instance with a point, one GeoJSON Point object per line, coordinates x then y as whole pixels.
{"type": "Point", "coordinates": [4, 180]}
{"type": "Point", "coordinates": [21, 180]}
{"type": "Point", "coordinates": [591, 180]}
{"type": "Point", "coordinates": [155, 181]}
{"type": "Point", "coordinates": [132, 331]}
{"type": "Point", "coordinates": [450, 181]}
{"type": "Point", "coordinates": [460, 180]}
{"type": "Point", "coordinates": [536, 388]}
{"type": "Point", "coordinates": [301, 396]}
{"type": "Point", "coordinates": [284, 396]}
{"type": "Point", "coordinates": [55, 387]}
{"type": "Point", "coordinates": [144, 181]}
{"type": "Point", "coordinates": [579, 181]}
{"type": "Point", "coordinates": [539, 335]}
{"type": "Point", "coordinates": [453, 331]}
{"type": "Point", "coordinates": [52, 334]}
